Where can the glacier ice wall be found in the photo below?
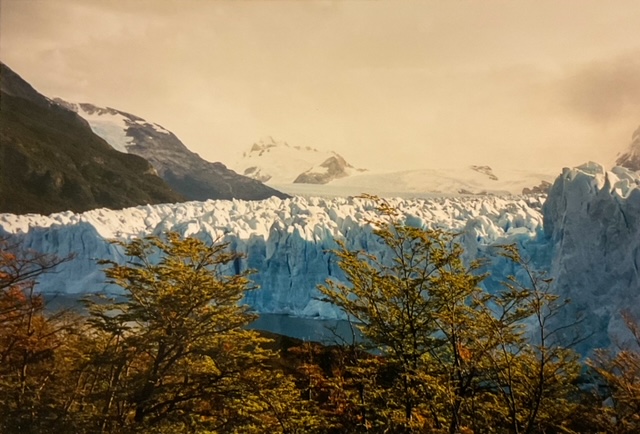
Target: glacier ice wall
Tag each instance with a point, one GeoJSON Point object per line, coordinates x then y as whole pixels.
{"type": "Point", "coordinates": [285, 241]}
{"type": "Point", "coordinates": [592, 217]}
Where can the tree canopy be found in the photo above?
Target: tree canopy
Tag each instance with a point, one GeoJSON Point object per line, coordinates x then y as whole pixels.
{"type": "Point", "coordinates": [171, 352]}
{"type": "Point", "coordinates": [455, 357]}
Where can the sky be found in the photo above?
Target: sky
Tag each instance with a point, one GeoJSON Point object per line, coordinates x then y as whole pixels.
{"type": "Point", "coordinates": [390, 85]}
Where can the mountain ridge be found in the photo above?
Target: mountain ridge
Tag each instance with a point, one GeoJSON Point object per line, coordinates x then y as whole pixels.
{"type": "Point", "coordinates": [185, 171]}
{"type": "Point", "coordinates": [52, 161]}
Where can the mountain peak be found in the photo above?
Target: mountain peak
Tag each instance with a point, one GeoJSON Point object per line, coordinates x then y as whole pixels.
{"type": "Point", "coordinates": [266, 143]}
{"type": "Point", "coordinates": [334, 167]}
{"type": "Point", "coordinates": [279, 163]}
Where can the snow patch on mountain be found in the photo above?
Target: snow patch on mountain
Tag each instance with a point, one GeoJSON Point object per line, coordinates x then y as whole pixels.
{"type": "Point", "coordinates": [112, 127]}
{"type": "Point", "coordinates": [110, 124]}
{"type": "Point", "coordinates": [278, 163]}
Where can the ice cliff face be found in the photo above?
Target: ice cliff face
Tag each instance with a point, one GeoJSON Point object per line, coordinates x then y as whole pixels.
{"type": "Point", "coordinates": [593, 219]}
{"type": "Point", "coordinates": [286, 241]}
{"type": "Point", "coordinates": [590, 241]}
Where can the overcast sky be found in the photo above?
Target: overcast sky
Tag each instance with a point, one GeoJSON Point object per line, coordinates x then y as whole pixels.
{"type": "Point", "coordinates": [389, 85]}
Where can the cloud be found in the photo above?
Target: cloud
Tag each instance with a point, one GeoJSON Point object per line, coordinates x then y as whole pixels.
{"type": "Point", "coordinates": [433, 82]}
{"type": "Point", "coordinates": [603, 91]}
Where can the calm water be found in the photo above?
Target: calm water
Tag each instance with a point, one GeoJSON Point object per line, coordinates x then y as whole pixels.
{"type": "Point", "coordinates": [308, 329]}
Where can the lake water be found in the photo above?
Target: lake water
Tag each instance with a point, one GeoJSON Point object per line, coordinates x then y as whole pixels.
{"type": "Point", "coordinates": [308, 329]}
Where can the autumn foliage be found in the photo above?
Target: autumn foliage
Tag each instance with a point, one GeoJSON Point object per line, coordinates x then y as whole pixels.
{"type": "Point", "coordinates": [171, 353]}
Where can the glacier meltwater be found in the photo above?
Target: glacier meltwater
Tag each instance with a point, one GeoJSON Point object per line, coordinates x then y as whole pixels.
{"type": "Point", "coordinates": [586, 233]}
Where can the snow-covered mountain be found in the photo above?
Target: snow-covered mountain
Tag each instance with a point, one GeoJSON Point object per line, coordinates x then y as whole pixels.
{"type": "Point", "coordinates": [278, 163]}
{"type": "Point", "coordinates": [587, 233]}
{"type": "Point", "coordinates": [306, 171]}
{"type": "Point", "coordinates": [631, 157]}
{"type": "Point", "coordinates": [185, 171]}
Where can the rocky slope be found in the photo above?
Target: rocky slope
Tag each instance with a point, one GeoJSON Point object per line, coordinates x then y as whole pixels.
{"type": "Point", "coordinates": [185, 171]}
{"type": "Point", "coordinates": [631, 157]}
{"type": "Point", "coordinates": [334, 167]}
{"type": "Point", "coordinates": [51, 161]}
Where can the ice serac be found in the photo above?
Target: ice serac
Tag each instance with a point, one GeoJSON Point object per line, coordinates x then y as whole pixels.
{"type": "Point", "coordinates": [593, 218]}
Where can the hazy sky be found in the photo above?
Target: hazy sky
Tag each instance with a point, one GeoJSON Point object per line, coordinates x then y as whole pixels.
{"type": "Point", "coordinates": [389, 85]}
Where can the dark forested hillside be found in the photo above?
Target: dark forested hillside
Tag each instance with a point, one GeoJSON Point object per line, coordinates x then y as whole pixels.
{"type": "Point", "coordinates": [51, 161]}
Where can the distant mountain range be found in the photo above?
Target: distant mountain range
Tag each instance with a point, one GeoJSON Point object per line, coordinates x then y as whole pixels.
{"type": "Point", "coordinates": [57, 155]}
{"type": "Point", "coordinates": [51, 161]}
{"type": "Point", "coordinates": [302, 170]}
{"type": "Point", "coordinates": [185, 171]}
{"type": "Point", "coordinates": [433, 182]}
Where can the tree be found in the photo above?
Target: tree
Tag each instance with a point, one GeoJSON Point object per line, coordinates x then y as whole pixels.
{"type": "Point", "coordinates": [454, 357]}
{"type": "Point", "coordinates": [410, 309]}
{"type": "Point", "coordinates": [336, 381]}
{"type": "Point", "coordinates": [172, 354]}
{"type": "Point", "coordinates": [29, 342]}
{"type": "Point", "coordinates": [618, 403]}
{"type": "Point", "coordinates": [534, 372]}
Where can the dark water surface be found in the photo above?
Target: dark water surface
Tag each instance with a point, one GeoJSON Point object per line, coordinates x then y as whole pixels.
{"type": "Point", "coordinates": [308, 329]}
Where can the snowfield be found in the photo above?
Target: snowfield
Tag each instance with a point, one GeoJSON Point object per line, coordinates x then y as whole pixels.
{"type": "Point", "coordinates": [426, 183]}
{"type": "Point", "coordinates": [587, 234]}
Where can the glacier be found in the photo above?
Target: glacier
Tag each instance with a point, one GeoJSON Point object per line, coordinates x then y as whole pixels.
{"type": "Point", "coordinates": [592, 218]}
{"type": "Point", "coordinates": [586, 233]}
{"type": "Point", "coordinates": [286, 241]}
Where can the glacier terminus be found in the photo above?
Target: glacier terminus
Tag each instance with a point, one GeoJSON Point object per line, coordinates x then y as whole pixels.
{"type": "Point", "coordinates": [585, 233]}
